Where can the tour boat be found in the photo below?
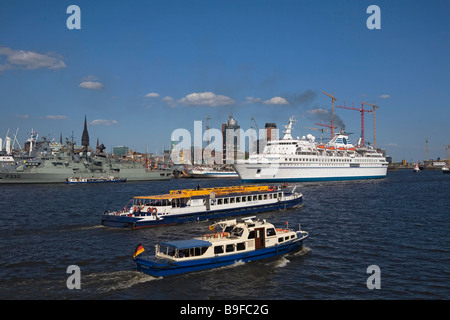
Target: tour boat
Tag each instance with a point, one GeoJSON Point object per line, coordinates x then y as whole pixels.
{"type": "Point", "coordinates": [242, 241]}
{"type": "Point", "coordinates": [188, 205]}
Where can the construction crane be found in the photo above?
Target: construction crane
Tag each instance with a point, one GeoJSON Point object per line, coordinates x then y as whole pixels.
{"type": "Point", "coordinates": [362, 118]}
{"type": "Point", "coordinates": [321, 129]}
{"type": "Point", "coordinates": [333, 99]}
{"type": "Point", "coordinates": [328, 126]}
{"type": "Point", "coordinates": [374, 123]}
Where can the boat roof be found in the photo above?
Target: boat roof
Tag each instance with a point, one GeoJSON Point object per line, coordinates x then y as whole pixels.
{"type": "Point", "coordinates": [218, 191]}
{"type": "Point", "coordinates": [186, 244]}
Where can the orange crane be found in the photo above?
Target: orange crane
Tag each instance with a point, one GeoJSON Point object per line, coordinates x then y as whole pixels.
{"type": "Point", "coordinates": [362, 118]}
{"type": "Point", "coordinates": [333, 99]}
{"type": "Point", "coordinates": [374, 122]}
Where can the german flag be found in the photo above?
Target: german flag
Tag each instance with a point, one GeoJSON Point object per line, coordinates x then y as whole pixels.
{"type": "Point", "coordinates": [139, 249]}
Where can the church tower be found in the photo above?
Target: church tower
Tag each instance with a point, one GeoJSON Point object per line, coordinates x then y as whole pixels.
{"type": "Point", "coordinates": [85, 136]}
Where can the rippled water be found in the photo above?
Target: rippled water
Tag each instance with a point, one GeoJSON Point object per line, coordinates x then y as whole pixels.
{"type": "Point", "coordinates": [399, 223]}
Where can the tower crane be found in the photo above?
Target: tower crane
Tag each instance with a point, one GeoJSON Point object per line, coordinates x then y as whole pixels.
{"type": "Point", "coordinates": [328, 126]}
{"type": "Point", "coordinates": [362, 118]}
{"type": "Point", "coordinates": [333, 99]}
{"type": "Point", "coordinates": [374, 123]}
{"type": "Point", "coordinates": [321, 129]}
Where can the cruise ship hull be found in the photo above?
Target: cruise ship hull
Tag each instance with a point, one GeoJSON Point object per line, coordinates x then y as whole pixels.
{"type": "Point", "coordinates": [273, 173]}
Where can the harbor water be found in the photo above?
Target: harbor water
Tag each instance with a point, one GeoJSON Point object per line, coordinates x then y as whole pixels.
{"type": "Point", "coordinates": [400, 224]}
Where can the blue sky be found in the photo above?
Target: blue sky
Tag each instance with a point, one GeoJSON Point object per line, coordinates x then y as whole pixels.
{"type": "Point", "coordinates": [141, 69]}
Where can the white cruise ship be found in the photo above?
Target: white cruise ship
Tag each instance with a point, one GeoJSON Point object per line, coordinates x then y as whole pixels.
{"type": "Point", "coordinates": [304, 159]}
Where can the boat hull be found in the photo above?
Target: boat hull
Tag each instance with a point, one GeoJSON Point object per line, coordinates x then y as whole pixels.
{"type": "Point", "coordinates": [278, 173]}
{"type": "Point", "coordinates": [156, 269]}
{"type": "Point", "coordinates": [138, 222]}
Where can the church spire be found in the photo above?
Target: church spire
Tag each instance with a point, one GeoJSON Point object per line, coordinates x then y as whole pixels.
{"type": "Point", "coordinates": [85, 136]}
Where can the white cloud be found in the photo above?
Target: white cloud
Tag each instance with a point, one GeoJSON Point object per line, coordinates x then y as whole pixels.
{"type": "Point", "coordinates": [152, 95]}
{"type": "Point", "coordinates": [318, 111]}
{"type": "Point", "coordinates": [29, 60]}
{"type": "Point", "coordinates": [169, 101]}
{"type": "Point", "coordinates": [56, 117]}
{"type": "Point", "coordinates": [92, 85]}
{"type": "Point", "coordinates": [276, 100]}
{"type": "Point", "coordinates": [103, 122]}
{"type": "Point", "coordinates": [385, 96]}
{"type": "Point", "coordinates": [209, 99]}
{"type": "Point", "coordinates": [23, 116]}
{"type": "Point", "coordinates": [249, 100]}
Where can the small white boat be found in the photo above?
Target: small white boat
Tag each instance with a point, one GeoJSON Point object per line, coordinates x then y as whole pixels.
{"type": "Point", "coordinates": [416, 169]}
{"type": "Point", "coordinates": [244, 241]}
{"type": "Point", "coordinates": [211, 172]}
{"type": "Point", "coordinates": [74, 180]}
{"type": "Point", "coordinates": [445, 170]}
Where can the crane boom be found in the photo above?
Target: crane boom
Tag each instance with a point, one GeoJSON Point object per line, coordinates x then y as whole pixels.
{"type": "Point", "coordinates": [362, 118]}
{"type": "Point", "coordinates": [374, 122]}
{"type": "Point", "coordinates": [333, 99]}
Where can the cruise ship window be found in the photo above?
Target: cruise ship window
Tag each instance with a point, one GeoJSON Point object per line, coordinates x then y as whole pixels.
{"type": "Point", "coordinates": [218, 249]}
{"type": "Point", "coordinates": [229, 248]}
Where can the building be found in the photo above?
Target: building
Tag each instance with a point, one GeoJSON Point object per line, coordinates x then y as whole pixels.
{"type": "Point", "coordinates": [120, 151]}
{"type": "Point", "coordinates": [230, 140]}
{"type": "Point", "coordinates": [85, 136]}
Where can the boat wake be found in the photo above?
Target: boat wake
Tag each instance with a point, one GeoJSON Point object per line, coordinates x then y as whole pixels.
{"type": "Point", "coordinates": [107, 282]}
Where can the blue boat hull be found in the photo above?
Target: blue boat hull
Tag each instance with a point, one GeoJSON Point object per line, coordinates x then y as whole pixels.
{"type": "Point", "coordinates": [156, 269]}
{"type": "Point", "coordinates": [137, 223]}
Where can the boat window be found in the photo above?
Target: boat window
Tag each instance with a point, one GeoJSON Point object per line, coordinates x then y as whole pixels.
{"type": "Point", "coordinates": [238, 199]}
{"type": "Point", "coordinates": [251, 234]}
{"type": "Point", "coordinates": [270, 232]}
{"type": "Point", "coordinates": [218, 249]}
{"type": "Point", "coordinates": [200, 251]}
{"type": "Point", "coordinates": [225, 201]}
{"type": "Point", "coordinates": [240, 246]}
{"type": "Point", "coordinates": [229, 248]}
{"type": "Point", "coordinates": [280, 239]}
{"type": "Point", "coordinates": [231, 200]}
{"type": "Point", "coordinates": [255, 198]}
{"type": "Point", "coordinates": [286, 238]}
{"type": "Point", "coordinates": [275, 195]}
{"type": "Point", "coordinates": [249, 198]}
{"type": "Point", "coordinates": [265, 197]}
{"type": "Point", "coordinates": [219, 201]}
{"type": "Point", "coordinates": [237, 231]}
{"type": "Point", "coordinates": [244, 199]}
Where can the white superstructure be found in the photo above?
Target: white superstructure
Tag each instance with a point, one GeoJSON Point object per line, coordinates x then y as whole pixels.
{"type": "Point", "coordinates": [304, 159]}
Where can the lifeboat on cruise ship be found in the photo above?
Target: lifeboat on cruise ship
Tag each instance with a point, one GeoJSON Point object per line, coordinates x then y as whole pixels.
{"type": "Point", "coordinates": [331, 148]}
{"type": "Point", "coordinates": [321, 147]}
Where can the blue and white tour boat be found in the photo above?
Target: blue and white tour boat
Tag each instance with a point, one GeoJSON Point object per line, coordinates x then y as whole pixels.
{"type": "Point", "coordinates": [188, 205]}
{"type": "Point", "coordinates": [229, 242]}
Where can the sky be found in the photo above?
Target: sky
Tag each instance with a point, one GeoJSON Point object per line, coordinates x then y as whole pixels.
{"type": "Point", "coordinates": [139, 70]}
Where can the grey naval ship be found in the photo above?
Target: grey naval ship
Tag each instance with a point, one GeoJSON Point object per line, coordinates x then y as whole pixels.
{"type": "Point", "coordinates": [43, 165]}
